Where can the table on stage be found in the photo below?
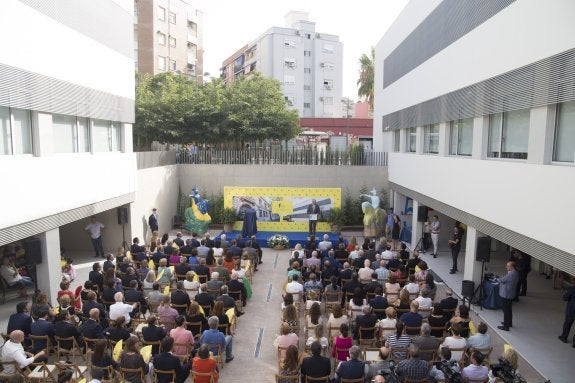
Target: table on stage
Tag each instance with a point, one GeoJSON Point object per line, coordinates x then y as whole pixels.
{"type": "Point", "coordinates": [491, 298]}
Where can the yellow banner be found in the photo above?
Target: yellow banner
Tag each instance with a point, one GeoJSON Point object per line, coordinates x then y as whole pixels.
{"type": "Point", "coordinates": [283, 209]}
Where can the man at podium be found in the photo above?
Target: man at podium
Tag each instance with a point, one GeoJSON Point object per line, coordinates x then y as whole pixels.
{"type": "Point", "coordinates": [313, 212]}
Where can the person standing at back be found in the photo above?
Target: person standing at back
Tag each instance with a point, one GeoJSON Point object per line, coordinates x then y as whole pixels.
{"type": "Point", "coordinates": [153, 220]}
{"type": "Point", "coordinates": [569, 297]}
{"type": "Point", "coordinates": [507, 291]}
{"type": "Point", "coordinates": [314, 212]}
{"type": "Point", "coordinates": [95, 229]}
{"type": "Point", "coordinates": [435, 229]}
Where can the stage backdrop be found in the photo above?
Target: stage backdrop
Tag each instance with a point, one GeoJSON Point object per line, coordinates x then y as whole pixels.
{"type": "Point", "coordinates": [282, 209]}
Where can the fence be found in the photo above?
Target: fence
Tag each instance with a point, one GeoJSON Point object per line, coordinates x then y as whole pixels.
{"type": "Point", "coordinates": [282, 157]}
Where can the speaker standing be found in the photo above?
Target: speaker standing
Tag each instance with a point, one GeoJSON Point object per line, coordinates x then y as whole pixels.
{"type": "Point", "coordinates": [507, 286]}
{"type": "Point", "coordinates": [153, 220]}
{"type": "Point", "coordinates": [455, 245]}
{"type": "Point", "coordinates": [95, 229]}
{"type": "Point", "coordinates": [313, 212]}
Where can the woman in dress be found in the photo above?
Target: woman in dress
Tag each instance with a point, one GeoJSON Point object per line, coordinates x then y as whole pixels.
{"type": "Point", "coordinates": [352, 244]}
{"type": "Point", "coordinates": [101, 358]}
{"type": "Point", "coordinates": [462, 318]}
{"type": "Point", "coordinates": [285, 339]}
{"type": "Point", "coordinates": [118, 330]}
{"type": "Point", "coordinates": [318, 335]}
{"type": "Point", "coordinates": [290, 316]}
{"type": "Point", "coordinates": [392, 289]}
{"type": "Point", "coordinates": [357, 302]}
{"type": "Point", "coordinates": [164, 272]}
{"type": "Point", "coordinates": [387, 326]}
{"type": "Point", "coordinates": [195, 316]}
{"type": "Point", "coordinates": [430, 286]}
{"type": "Point", "coordinates": [313, 317]}
{"type": "Point", "coordinates": [220, 312]}
{"type": "Point", "coordinates": [342, 343]}
{"type": "Point", "coordinates": [131, 358]}
{"type": "Point", "coordinates": [403, 303]}
{"type": "Point", "coordinates": [437, 319]}
{"type": "Point", "coordinates": [398, 340]}
{"type": "Point", "coordinates": [333, 287]}
{"type": "Point", "coordinates": [167, 314]}
{"type": "Point", "coordinates": [336, 319]}
{"type": "Point", "coordinates": [290, 364]}
{"type": "Point", "coordinates": [202, 363]}
{"type": "Point", "coordinates": [191, 284]}
{"type": "Point", "coordinates": [149, 280]}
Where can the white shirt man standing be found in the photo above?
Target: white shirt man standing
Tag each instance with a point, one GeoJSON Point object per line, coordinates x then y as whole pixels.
{"type": "Point", "coordinates": [435, 229]}
{"type": "Point", "coordinates": [95, 229]}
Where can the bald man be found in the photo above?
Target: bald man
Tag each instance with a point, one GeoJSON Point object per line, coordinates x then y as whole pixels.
{"type": "Point", "coordinates": [14, 352]}
{"type": "Point", "coordinates": [91, 328]}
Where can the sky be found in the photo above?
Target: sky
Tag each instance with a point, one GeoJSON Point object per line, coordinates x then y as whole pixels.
{"type": "Point", "coordinates": [229, 25]}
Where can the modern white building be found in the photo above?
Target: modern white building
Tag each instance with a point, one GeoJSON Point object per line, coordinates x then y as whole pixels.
{"type": "Point", "coordinates": [307, 63]}
{"type": "Point", "coordinates": [475, 102]}
{"type": "Point", "coordinates": [66, 114]}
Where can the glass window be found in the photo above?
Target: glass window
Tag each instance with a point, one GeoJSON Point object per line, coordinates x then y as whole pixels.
{"type": "Point", "coordinates": [172, 41]}
{"type": "Point", "coordinates": [307, 53]}
{"type": "Point", "coordinates": [172, 17]}
{"type": "Point", "coordinates": [21, 132]}
{"type": "Point", "coordinates": [101, 133]}
{"type": "Point", "coordinates": [116, 137]}
{"type": "Point", "coordinates": [396, 138]}
{"type": "Point", "coordinates": [411, 140]}
{"type": "Point", "coordinates": [307, 105]}
{"type": "Point", "coordinates": [461, 137]}
{"type": "Point", "coordinates": [5, 135]}
{"type": "Point", "coordinates": [64, 136]}
{"type": "Point", "coordinates": [289, 62]}
{"type": "Point", "coordinates": [161, 38]}
{"type": "Point", "coordinates": [306, 70]}
{"type": "Point", "coordinates": [564, 146]}
{"type": "Point", "coordinates": [83, 135]}
{"type": "Point", "coordinates": [289, 79]}
{"type": "Point", "coordinates": [173, 65]}
{"type": "Point", "coordinates": [162, 13]}
{"type": "Point", "coordinates": [431, 139]}
{"type": "Point", "coordinates": [289, 43]}
{"type": "Point", "coordinates": [161, 63]}
{"type": "Point", "coordinates": [327, 48]}
{"type": "Point", "coordinates": [509, 134]}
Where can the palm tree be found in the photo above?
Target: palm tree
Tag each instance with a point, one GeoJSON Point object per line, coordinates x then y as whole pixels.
{"type": "Point", "coordinates": [366, 77]}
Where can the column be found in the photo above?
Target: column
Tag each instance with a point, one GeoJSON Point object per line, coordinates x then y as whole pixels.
{"type": "Point", "coordinates": [419, 143]}
{"type": "Point", "coordinates": [472, 269]}
{"type": "Point", "coordinates": [49, 272]}
{"type": "Point", "coordinates": [541, 134]}
{"type": "Point", "coordinates": [480, 137]}
{"type": "Point", "coordinates": [416, 226]}
{"type": "Point", "coordinates": [443, 149]}
{"type": "Point", "coordinates": [42, 134]}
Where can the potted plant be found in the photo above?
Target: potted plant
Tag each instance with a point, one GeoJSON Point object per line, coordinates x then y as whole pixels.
{"type": "Point", "coordinates": [336, 219]}
{"type": "Point", "coordinates": [229, 217]}
{"type": "Point", "coordinates": [278, 242]}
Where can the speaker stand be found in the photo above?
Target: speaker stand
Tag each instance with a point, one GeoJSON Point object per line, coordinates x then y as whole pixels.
{"type": "Point", "coordinates": [478, 293]}
{"type": "Point", "coordinates": [124, 243]}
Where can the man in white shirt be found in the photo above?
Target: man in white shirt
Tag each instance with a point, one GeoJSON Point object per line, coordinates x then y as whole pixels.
{"type": "Point", "coordinates": [387, 254]}
{"type": "Point", "coordinates": [481, 340]}
{"type": "Point", "coordinates": [95, 229]}
{"type": "Point", "coordinates": [14, 352]}
{"type": "Point", "coordinates": [11, 275]}
{"type": "Point", "coordinates": [425, 302]}
{"type": "Point", "coordinates": [435, 228]}
{"type": "Point", "coordinates": [365, 272]}
{"type": "Point", "coordinates": [325, 244]}
{"type": "Point", "coordinates": [120, 308]}
{"type": "Point", "coordinates": [354, 253]}
{"type": "Point", "coordinates": [382, 272]}
{"type": "Point", "coordinates": [296, 288]}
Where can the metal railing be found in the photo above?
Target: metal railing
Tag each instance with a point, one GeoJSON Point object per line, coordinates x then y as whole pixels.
{"type": "Point", "coordinates": [282, 157]}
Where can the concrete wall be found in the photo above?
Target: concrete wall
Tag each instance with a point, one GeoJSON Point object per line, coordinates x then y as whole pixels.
{"type": "Point", "coordinates": [213, 178]}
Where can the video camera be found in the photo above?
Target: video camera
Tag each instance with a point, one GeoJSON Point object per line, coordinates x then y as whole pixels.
{"type": "Point", "coordinates": [389, 374]}
{"type": "Point", "coordinates": [503, 370]}
{"type": "Point", "coordinates": [450, 370]}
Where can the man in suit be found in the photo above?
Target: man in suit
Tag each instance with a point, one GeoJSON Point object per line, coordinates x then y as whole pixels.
{"type": "Point", "coordinates": [40, 328]}
{"type": "Point", "coordinates": [92, 304]}
{"type": "Point", "coordinates": [203, 298]}
{"type": "Point", "coordinates": [178, 240]}
{"type": "Point", "coordinates": [180, 297]}
{"type": "Point", "coordinates": [136, 248]}
{"type": "Point", "coordinates": [183, 267]}
{"type": "Point", "coordinates": [194, 241]}
{"type": "Point", "coordinates": [96, 276]}
{"type": "Point", "coordinates": [187, 248]}
{"type": "Point", "coordinates": [351, 369]}
{"type": "Point", "coordinates": [507, 292]}
{"type": "Point", "coordinates": [315, 366]}
{"type": "Point", "coordinates": [235, 249]}
{"type": "Point", "coordinates": [379, 302]}
{"type": "Point", "coordinates": [109, 291]}
{"type": "Point", "coordinates": [229, 301]}
{"type": "Point", "coordinates": [91, 328]}
{"type": "Point", "coordinates": [202, 269]}
{"type": "Point", "coordinates": [426, 342]}
{"type": "Point", "coordinates": [314, 212]}
{"type": "Point", "coordinates": [372, 285]}
{"type": "Point", "coordinates": [21, 320]}
{"type": "Point", "coordinates": [221, 270]}
{"type": "Point", "coordinates": [449, 303]}
{"type": "Point", "coordinates": [153, 333]}
{"type": "Point", "coordinates": [109, 262]}
{"type": "Point", "coordinates": [569, 297]}
{"type": "Point", "coordinates": [65, 329]}
{"type": "Point", "coordinates": [368, 319]}
{"type": "Point", "coordinates": [235, 285]}
{"type": "Point", "coordinates": [134, 295]}
{"type": "Point", "coordinates": [166, 361]}
{"type": "Point", "coordinates": [209, 241]}
{"type": "Point", "coordinates": [159, 254]}
{"type": "Point", "coordinates": [153, 220]}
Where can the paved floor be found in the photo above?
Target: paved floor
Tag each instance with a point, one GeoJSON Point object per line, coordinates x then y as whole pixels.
{"type": "Point", "coordinates": [256, 358]}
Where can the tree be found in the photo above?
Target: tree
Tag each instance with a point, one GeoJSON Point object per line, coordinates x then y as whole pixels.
{"type": "Point", "coordinates": [366, 77]}
{"type": "Point", "coordinates": [173, 109]}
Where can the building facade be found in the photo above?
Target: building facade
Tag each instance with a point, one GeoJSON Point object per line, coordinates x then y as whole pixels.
{"type": "Point", "coordinates": [168, 37]}
{"type": "Point", "coordinates": [66, 125]}
{"type": "Point", "coordinates": [308, 64]}
{"type": "Point", "coordinates": [477, 110]}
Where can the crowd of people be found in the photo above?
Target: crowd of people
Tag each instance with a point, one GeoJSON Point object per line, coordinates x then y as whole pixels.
{"type": "Point", "coordinates": [182, 298]}
{"type": "Point", "coordinates": [368, 297]}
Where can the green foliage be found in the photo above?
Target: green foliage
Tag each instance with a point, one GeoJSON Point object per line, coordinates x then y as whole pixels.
{"type": "Point", "coordinates": [336, 217]}
{"type": "Point", "coordinates": [216, 207]}
{"type": "Point", "coordinates": [351, 210]}
{"type": "Point", "coordinates": [366, 77]}
{"type": "Point", "coordinates": [174, 109]}
{"type": "Point", "coordinates": [357, 151]}
{"type": "Point", "coordinates": [229, 216]}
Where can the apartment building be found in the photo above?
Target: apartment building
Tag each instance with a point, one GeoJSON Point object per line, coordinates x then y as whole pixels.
{"type": "Point", "coordinates": [307, 63]}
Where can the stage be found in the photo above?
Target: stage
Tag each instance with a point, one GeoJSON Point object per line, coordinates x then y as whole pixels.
{"type": "Point", "coordinates": [294, 237]}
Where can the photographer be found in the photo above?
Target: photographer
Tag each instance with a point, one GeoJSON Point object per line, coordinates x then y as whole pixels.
{"type": "Point", "coordinates": [475, 370]}
{"type": "Point", "coordinates": [437, 372]}
{"type": "Point", "coordinates": [506, 370]}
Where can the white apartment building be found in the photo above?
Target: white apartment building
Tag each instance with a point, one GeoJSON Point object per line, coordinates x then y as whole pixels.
{"type": "Point", "coordinates": [475, 103]}
{"type": "Point", "coordinates": [307, 63]}
{"type": "Point", "coordinates": [66, 114]}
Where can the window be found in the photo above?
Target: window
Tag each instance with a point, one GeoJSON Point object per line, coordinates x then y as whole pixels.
{"type": "Point", "coordinates": [306, 105]}
{"type": "Point", "coordinates": [289, 80]}
{"type": "Point", "coordinates": [161, 38]}
{"type": "Point", "coordinates": [307, 87]}
{"type": "Point", "coordinates": [396, 137]}
{"type": "Point", "coordinates": [288, 43]}
{"type": "Point", "coordinates": [306, 70]}
{"type": "Point", "coordinates": [509, 134]}
{"type": "Point", "coordinates": [15, 131]}
{"type": "Point", "coordinates": [83, 135]}
{"type": "Point", "coordinates": [564, 146]}
{"type": "Point", "coordinates": [173, 65]}
{"type": "Point", "coordinates": [307, 53]}
{"type": "Point", "coordinates": [411, 140]}
{"type": "Point", "coordinates": [461, 137]}
{"type": "Point", "coordinates": [107, 136]}
{"type": "Point", "coordinates": [192, 28]}
{"type": "Point", "coordinates": [290, 100]}
{"type": "Point", "coordinates": [327, 66]}
{"type": "Point", "coordinates": [327, 48]}
{"type": "Point", "coordinates": [289, 63]}
{"type": "Point", "coordinates": [161, 13]}
{"type": "Point", "coordinates": [172, 17]}
{"type": "Point", "coordinates": [308, 36]}
{"type": "Point", "coordinates": [172, 41]}
{"type": "Point", "coordinates": [64, 133]}
{"type": "Point", "coordinates": [327, 84]}
{"type": "Point", "coordinates": [5, 135]}
{"type": "Point", "coordinates": [431, 139]}
{"type": "Point", "coordinates": [161, 63]}
{"type": "Point", "coordinates": [327, 100]}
